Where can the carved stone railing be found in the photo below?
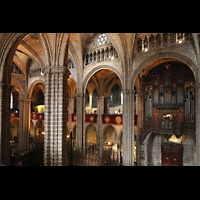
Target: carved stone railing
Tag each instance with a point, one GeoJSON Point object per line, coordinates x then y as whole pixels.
{"type": "Point", "coordinates": [107, 52]}
{"type": "Point", "coordinates": [35, 72]}
{"type": "Point", "coordinates": [150, 41]}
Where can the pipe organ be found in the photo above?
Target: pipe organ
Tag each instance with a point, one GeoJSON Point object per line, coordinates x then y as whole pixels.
{"type": "Point", "coordinates": [169, 100]}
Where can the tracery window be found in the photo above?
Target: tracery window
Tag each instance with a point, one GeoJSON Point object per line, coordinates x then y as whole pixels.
{"type": "Point", "coordinates": [102, 39]}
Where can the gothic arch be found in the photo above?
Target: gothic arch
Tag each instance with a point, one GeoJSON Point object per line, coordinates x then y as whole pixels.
{"type": "Point", "coordinates": [8, 50]}
{"type": "Point", "coordinates": [111, 135]}
{"type": "Point", "coordinates": [104, 129]}
{"type": "Point", "coordinates": [159, 58]}
{"type": "Point", "coordinates": [93, 134]}
{"type": "Point", "coordinates": [32, 87]}
{"type": "Point", "coordinates": [98, 68]}
{"type": "Point", "coordinates": [87, 125]}
{"type": "Point", "coordinates": [19, 87]}
{"type": "Point", "coordinates": [9, 45]}
{"type": "Point", "coordinates": [145, 138]}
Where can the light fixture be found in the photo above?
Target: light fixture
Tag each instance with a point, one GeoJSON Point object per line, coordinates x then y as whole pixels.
{"type": "Point", "coordinates": [174, 139]}
{"type": "Point", "coordinates": [167, 116]}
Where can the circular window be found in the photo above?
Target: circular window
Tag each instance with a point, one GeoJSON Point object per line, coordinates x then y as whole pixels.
{"type": "Point", "coordinates": [102, 39]}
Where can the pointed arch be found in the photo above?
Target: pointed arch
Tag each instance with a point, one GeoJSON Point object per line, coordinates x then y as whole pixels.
{"type": "Point", "coordinates": [19, 87]}
{"type": "Point", "coordinates": [98, 68]}
{"type": "Point", "coordinates": [90, 135]}
{"type": "Point", "coordinates": [33, 85]}
{"type": "Point", "coordinates": [159, 58]}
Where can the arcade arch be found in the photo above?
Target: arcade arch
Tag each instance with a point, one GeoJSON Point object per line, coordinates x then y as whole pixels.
{"type": "Point", "coordinates": [91, 137]}
{"type": "Point", "coordinates": [101, 84]}
{"type": "Point", "coordinates": [103, 93]}
{"type": "Point", "coordinates": [37, 98]}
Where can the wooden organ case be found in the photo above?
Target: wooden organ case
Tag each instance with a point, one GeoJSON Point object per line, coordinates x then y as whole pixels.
{"type": "Point", "coordinates": [169, 102]}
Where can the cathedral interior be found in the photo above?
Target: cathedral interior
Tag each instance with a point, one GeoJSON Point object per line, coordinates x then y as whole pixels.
{"type": "Point", "coordinates": [99, 99]}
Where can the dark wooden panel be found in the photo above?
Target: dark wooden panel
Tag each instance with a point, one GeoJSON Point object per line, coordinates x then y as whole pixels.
{"type": "Point", "coordinates": [172, 155]}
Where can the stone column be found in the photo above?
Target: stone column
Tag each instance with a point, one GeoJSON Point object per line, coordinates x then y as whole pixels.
{"type": "Point", "coordinates": [106, 104]}
{"type": "Point", "coordinates": [55, 121]}
{"type": "Point", "coordinates": [80, 122]}
{"type": "Point", "coordinates": [197, 110]}
{"type": "Point", "coordinates": [5, 90]}
{"type": "Point", "coordinates": [24, 124]}
{"type": "Point", "coordinates": [100, 111]}
{"type": "Point", "coordinates": [70, 112]}
{"type": "Point", "coordinates": [90, 103]}
{"type": "Point", "coordinates": [128, 128]}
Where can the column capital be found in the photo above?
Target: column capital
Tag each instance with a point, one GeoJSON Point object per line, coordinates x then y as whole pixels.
{"type": "Point", "coordinates": [79, 95]}
{"type": "Point", "coordinates": [100, 97]}
{"type": "Point", "coordinates": [139, 95]}
{"type": "Point", "coordinates": [71, 99]}
{"type": "Point", "coordinates": [128, 91]}
{"type": "Point", "coordinates": [56, 69]}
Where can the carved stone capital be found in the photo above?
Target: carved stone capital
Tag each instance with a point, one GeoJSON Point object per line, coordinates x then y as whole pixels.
{"type": "Point", "coordinates": [128, 91]}
{"type": "Point", "coordinates": [56, 70]}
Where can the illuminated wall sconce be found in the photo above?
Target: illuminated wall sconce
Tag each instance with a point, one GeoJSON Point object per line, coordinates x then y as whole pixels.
{"type": "Point", "coordinates": [68, 136]}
